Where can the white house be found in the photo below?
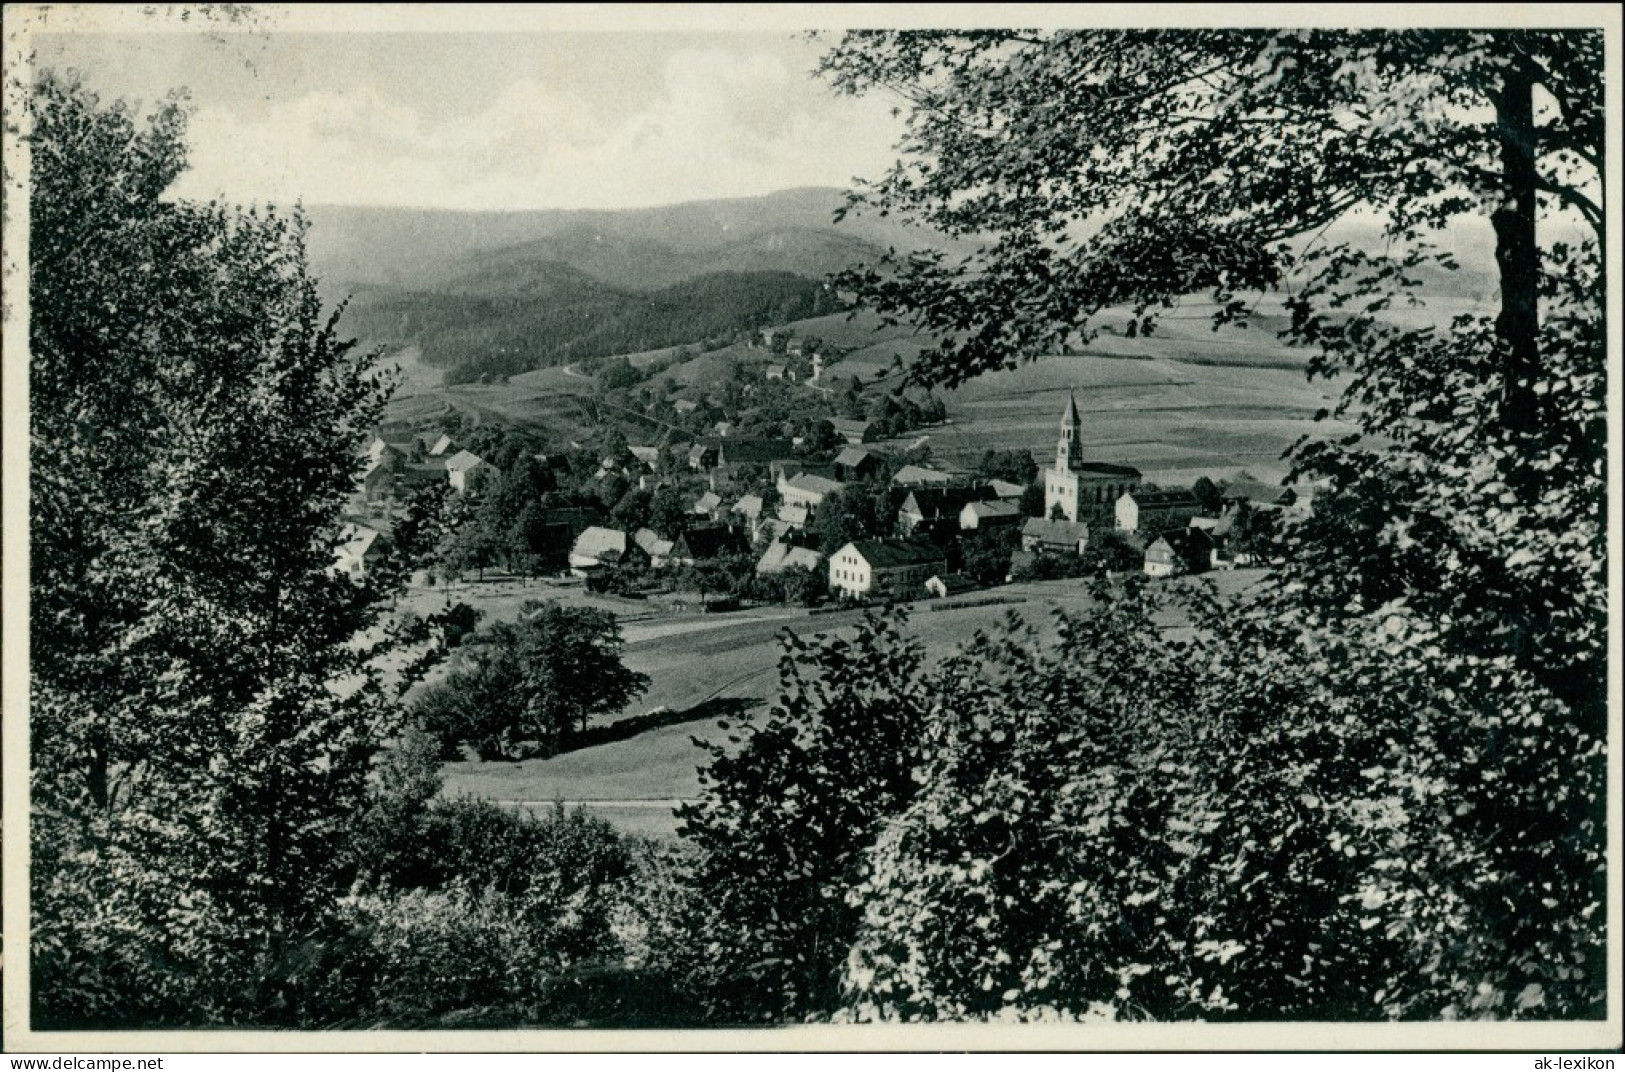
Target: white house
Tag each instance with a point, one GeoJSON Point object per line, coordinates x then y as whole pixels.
{"type": "Point", "coordinates": [707, 505]}
{"type": "Point", "coordinates": [464, 468]}
{"type": "Point", "coordinates": [361, 547]}
{"type": "Point", "coordinates": [1177, 551]}
{"type": "Point", "coordinates": [1056, 537]}
{"type": "Point", "coordinates": [780, 556]}
{"type": "Point", "coordinates": [802, 494]}
{"type": "Point", "coordinates": [883, 568]}
{"type": "Point", "coordinates": [656, 546]}
{"type": "Point", "coordinates": [1140, 510]}
{"type": "Point", "coordinates": [599, 548]}
{"type": "Point", "coordinates": [991, 514]}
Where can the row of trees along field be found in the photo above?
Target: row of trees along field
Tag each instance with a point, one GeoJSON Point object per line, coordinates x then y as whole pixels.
{"type": "Point", "coordinates": [1370, 788]}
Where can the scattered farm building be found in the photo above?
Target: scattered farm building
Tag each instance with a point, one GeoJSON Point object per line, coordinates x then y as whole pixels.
{"type": "Point", "coordinates": [878, 569]}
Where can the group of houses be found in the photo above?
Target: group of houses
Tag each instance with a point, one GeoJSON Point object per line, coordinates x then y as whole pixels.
{"type": "Point", "coordinates": [400, 463]}
{"type": "Point", "coordinates": [932, 508]}
{"type": "Point", "coordinates": [395, 465]}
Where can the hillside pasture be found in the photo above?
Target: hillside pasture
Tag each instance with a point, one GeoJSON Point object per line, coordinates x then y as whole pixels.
{"type": "Point", "coordinates": [1173, 420]}
{"type": "Point", "coordinates": [546, 401]}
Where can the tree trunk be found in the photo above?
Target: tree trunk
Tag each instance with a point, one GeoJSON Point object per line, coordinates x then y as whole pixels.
{"type": "Point", "coordinates": [1516, 253]}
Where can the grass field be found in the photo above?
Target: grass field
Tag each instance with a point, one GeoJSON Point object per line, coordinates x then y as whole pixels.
{"type": "Point", "coordinates": [725, 672]}
{"type": "Point", "coordinates": [1173, 420]}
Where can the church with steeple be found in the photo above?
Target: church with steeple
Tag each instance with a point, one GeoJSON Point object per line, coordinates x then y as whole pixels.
{"type": "Point", "coordinates": [1080, 490]}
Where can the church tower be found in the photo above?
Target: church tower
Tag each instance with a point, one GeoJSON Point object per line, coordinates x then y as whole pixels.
{"type": "Point", "coordinates": [1069, 448]}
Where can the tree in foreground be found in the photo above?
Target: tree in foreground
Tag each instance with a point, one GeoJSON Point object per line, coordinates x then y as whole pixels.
{"type": "Point", "coordinates": [1347, 801]}
{"type": "Point", "coordinates": [784, 819]}
{"type": "Point", "coordinates": [522, 688]}
{"type": "Point", "coordinates": [205, 700]}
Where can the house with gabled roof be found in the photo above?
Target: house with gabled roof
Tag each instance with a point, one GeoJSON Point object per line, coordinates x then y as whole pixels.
{"type": "Point", "coordinates": [854, 432]}
{"type": "Point", "coordinates": [884, 569]}
{"type": "Point", "coordinates": [436, 444]}
{"type": "Point", "coordinates": [360, 548]}
{"type": "Point", "coordinates": [930, 507]}
{"type": "Point", "coordinates": [1257, 493]}
{"type": "Point", "coordinates": [603, 548]}
{"type": "Point", "coordinates": [993, 513]}
{"type": "Point", "coordinates": [736, 452]}
{"type": "Point", "coordinates": [1141, 510]}
{"type": "Point", "coordinates": [1056, 537]}
{"type": "Point", "coordinates": [921, 476]}
{"type": "Point", "coordinates": [707, 505]}
{"type": "Point", "coordinates": [1178, 551]}
{"type": "Point", "coordinates": [702, 456]}
{"type": "Point", "coordinates": [781, 556]}
{"type": "Point", "coordinates": [803, 493]}
{"type": "Point", "coordinates": [706, 542]}
{"type": "Point", "coordinates": [856, 463]}
{"type": "Point", "coordinates": [656, 546]}
{"type": "Point", "coordinates": [465, 468]}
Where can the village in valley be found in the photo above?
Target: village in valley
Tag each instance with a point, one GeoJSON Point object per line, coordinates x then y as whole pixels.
{"type": "Point", "coordinates": [690, 526]}
{"type": "Point", "coordinates": [780, 488]}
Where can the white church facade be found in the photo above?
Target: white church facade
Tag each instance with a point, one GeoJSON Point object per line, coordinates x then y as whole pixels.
{"type": "Point", "coordinates": [1080, 490]}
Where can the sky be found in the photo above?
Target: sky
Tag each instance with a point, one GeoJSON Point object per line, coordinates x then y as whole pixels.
{"type": "Point", "coordinates": [526, 120]}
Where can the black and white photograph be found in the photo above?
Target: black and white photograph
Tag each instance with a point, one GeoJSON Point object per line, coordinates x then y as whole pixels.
{"type": "Point", "coordinates": [897, 527]}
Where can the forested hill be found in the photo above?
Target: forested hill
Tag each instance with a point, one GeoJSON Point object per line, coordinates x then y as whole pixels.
{"type": "Point", "coordinates": [495, 293]}
{"type": "Point", "coordinates": [560, 315]}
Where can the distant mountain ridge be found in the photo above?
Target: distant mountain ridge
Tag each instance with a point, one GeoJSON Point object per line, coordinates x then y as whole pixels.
{"type": "Point", "coordinates": [497, 293]}
{"type": "Point", "coordinates": [417, 249]}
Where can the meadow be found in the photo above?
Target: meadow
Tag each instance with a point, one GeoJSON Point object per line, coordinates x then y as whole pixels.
{"type": "Point", "coordinates": [724, 673]}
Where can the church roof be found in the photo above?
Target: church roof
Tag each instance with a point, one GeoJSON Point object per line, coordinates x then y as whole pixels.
{"type": "Point", "coordinates": [1069, 419]}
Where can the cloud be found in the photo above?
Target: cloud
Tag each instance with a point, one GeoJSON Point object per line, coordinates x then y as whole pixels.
{"type": "Point", "coordinates": [719, 123]}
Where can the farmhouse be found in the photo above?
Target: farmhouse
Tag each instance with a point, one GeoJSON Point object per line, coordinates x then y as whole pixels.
{"type": "Point", "coordinates": [1004, 489]}
{"type": "Point", "coordinates": [735, 452]}
{"type": "Point", "coordinates": [749, 507]}
{"type": "Point", "coordinates": [703, 455]}
{"type": "Point", "coordinates": [803, 494]}
{"type": "Point", "coordinates": [1153, 511]}
{"type": "Point", "coordinates": [781, 556]}
{"type": "Point", "coordinates": [866, 569]}
{"type": "Point", "coordinates": [1056, 537]}
{"type": "Point", "coordinates": [854, 432]}
{"type": "Point", "coordinates": [855, 463]}
{"type": "Point", "coordinates": [465, 469]}
{"type": "Point", "coordinates": [361, 549]}
{"type": "Point", "coordinates": [436, 444]}
{"type": "Point", "coordinates": [1177, 551]}
{"type": "Point", "coordinates": [656, 546]}
{"type": "Point", "coordinates": [995, 513]}
{"type": "Point", "coordinates": [707, 505]}
{"type": "Point", "coordinates": [708, 542]}
{"type": "Point", "coordinates": [379, 449]}
{"type": "Point", "coordinates": [1084, 491]}
{"type": "Point", "coordinates": [929, 507]}
{"type": "Point", "coordinates": [601, 548]}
